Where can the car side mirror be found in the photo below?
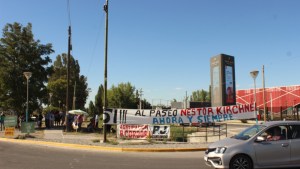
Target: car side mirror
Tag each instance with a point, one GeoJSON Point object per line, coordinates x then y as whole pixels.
{"type": "Point", "coordinates": [260, 139]}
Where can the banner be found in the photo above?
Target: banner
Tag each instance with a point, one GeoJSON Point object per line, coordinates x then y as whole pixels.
{"type": "Point", "coordinates": [133, 131]}
{"type": "Point", "coordinates": [130, 131]}
{"type": "Point", "coordinates": [160, 131]}
{"type": "Point", "coordinates": [178, 116]}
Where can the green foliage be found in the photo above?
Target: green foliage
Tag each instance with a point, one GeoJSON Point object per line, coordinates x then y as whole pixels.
{"type": "Point", "coordinates": [122, 96]}
{"type": "Point", "coordinates": [91, 110]}
{"type": "Point", "coordinates": [99, 98]}
{"type": "Point", "coordinates": [20, 52]}
{"type": "Point", "coordinates": [200, 96]}
{"type": "Point", "coordinates": [58, 83]}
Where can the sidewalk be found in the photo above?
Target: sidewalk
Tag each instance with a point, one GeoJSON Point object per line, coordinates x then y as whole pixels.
{"type": "Point", "coordinates": [94, 141]}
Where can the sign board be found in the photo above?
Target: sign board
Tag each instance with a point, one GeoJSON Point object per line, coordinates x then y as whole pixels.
{"type": "Point", "coordinates": [10, 121]}
{"type": "Point", "coordinates": [9, 131]}
{"type": "Point", "coordinates": [27, 127]}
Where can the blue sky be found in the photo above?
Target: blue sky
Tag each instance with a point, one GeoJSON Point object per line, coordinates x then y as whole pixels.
{"type": "Point", "coordinates": [164, 46]}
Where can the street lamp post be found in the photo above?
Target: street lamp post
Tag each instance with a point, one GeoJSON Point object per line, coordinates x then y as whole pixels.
{"type": "Point", "coordinates": [27, 75]}
{"type": "Point", "coordinates": [50, 94]}
{"type": "Point", "coordinates": [254, 74]}
{"type": "Point", "coordinates": [59, 104]}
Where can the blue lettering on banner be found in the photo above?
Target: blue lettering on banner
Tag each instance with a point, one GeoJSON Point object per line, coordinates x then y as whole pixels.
{"type": "Point", "coordinates": [215, 118]}
{"type": "Point", "coordinates": [162, 120]}
{"type": "Point", "coordinates": [200, 119]}
{"type": "Point", "coordinates": [174, 120]}
{"type": "Point", "coordinates": [180, 121]}
{"type": "Point", "coordinates": [190, 118]}
{"type": "Point", "coordinates": [155, 121]}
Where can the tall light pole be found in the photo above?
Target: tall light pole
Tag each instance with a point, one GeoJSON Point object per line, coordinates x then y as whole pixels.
{"type": "Point", "coordinates": [254, 74]}
{"type": "Point", "coordinates": [27, 75]}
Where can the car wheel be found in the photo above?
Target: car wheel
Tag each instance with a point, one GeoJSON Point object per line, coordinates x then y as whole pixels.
{"type": "Point", "coordinates": [241, 162]}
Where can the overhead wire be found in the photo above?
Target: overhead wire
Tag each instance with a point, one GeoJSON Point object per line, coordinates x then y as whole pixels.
{"type": "Point", "coordinates": [99, 26]}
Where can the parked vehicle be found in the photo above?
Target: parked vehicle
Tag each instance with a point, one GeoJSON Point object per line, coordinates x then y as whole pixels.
{"type": "Point", "coordinates": [267, 145]}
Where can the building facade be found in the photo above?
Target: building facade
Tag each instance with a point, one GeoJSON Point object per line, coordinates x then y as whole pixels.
{"type": "Point", "coordinates": [277, 99]}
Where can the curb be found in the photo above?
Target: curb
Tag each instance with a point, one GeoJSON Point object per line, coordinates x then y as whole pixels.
{"type": "Point", "coordinates": [100, 148]}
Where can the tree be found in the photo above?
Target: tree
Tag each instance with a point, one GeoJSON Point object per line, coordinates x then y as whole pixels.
{"type": "Point", "coordinates": [99, 98]}
{"type": "Point", "coordinates": [200, 96]}
{"type": "Point", "coordinates": [146, 104]}
{"type": "Point", "coordinates": [122, 96]}
{"type": "Point", "coordinates": [20, 52]}
{"type": "Point", "coordinates": [91, 110]}
{"type": "Point", "coordinates": [58, 83]}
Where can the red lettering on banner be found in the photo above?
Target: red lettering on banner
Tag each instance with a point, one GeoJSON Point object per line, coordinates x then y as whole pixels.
{"type": "Point", "coordinates": [219, 110]}
{"type": "Point", "coordinates": [252, 107]}
{"type": "Point", "coordinates": [247, 107]}
{"type": "Point", "coordinates": [204, 111]}
{"type": "Point", "coordinates": [228, 110]}
{"type": "Point", "coordinates": [235, 110]}
{"type": "Point", "coordinates": [210, 111]}
{"type": "Point", "coordinates": [183, 112]}
{"type": "Point", "coordinates": [241, 108]}
{"type": "Point", "coordinates": [133, 131]}
{"type": "Point", "coordinates": [188, 111]}
{"type": "Point", "coordinates": [193, 112]}
{"type": "Point", "coordinates": [199, 109]}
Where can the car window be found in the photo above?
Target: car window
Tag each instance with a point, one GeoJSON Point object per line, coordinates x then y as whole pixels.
{"type": "Point", "coordinates": [275, 133]}
{"type": "Point", "coordinates": [295, 131]}
{"type": "Point", "coordinates": [249, 132]}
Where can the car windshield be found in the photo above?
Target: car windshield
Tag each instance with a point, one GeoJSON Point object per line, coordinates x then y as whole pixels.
{"type": "Point", "coordinates": [249, 132]}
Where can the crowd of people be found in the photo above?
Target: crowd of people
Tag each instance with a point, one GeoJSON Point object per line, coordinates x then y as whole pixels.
{"type": "Point", "coordinates": [54, 119]}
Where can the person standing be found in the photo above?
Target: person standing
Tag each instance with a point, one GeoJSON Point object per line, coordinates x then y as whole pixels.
{"type": "Point", "coordinates": [79, 120]}
{"type": "Point", "coordinates": [96, 121]}
{"type": "Point", "coordinates": [2, 121]}
{"type": "Point", "coordinates": [40, 120]}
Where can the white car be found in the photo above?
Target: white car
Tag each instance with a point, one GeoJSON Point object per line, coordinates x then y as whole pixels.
{"type": "Point", "coordinates": [258, 147]}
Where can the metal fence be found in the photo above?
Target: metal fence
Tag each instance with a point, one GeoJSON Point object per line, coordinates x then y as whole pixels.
{"type": "Point", "coordinates": [197, 132]}
{"type": "Point", "coordinates": [186, 132]}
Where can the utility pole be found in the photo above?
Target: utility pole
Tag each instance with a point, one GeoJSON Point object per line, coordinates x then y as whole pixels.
{"type": "Point", "coordinates": [74, 97]}
{"type": "Point", "coordinates": [141, 94]}
{"type": "Point", "coordinates": [68, 78]}
{"type": "Point", "coordinates": [105, 7]}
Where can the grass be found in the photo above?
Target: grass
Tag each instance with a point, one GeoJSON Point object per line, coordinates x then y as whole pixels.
{"type": "Point", "coordinates": [113, 142]}
{"type": "Point", "coordinates": [96, 140]}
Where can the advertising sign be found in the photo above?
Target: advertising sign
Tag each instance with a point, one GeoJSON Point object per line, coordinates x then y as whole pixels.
{"type": "Point", "coordinates": [229, 85]}
{"type": "Point", "coordinates": [10, 121]}
{"type": "Point", "coordinates": [179, 116]}
{"type": "Point", "coordinates": [9, 131]}
{"type": "Point", "coordinates": [27, 127]}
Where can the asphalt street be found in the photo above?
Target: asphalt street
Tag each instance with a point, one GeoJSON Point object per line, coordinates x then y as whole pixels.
{"type": "Point", "coordinates": [24, 156]}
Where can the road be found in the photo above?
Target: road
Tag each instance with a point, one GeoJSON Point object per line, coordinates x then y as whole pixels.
{"type": "Point", "coordinates": [21, 156]}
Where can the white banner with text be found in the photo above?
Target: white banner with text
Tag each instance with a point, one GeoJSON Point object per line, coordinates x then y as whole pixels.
{"type": "Point", "coordinates": [179, 116]}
